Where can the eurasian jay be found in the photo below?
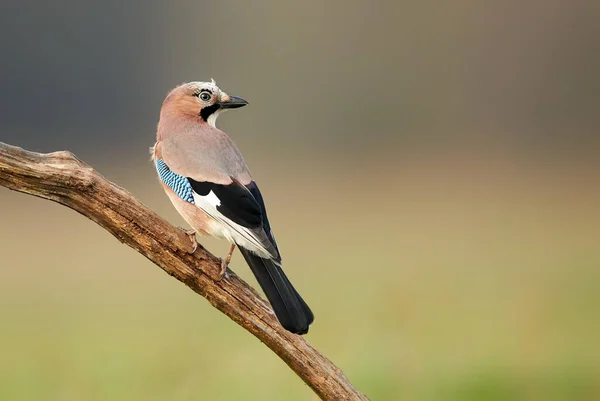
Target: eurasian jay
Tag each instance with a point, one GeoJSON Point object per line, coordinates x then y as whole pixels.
{"type": "Point", "coordinates": [209, 183]}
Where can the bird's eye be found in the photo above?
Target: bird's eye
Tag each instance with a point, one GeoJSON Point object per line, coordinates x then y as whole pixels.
{"type": "Point", "coordinates": [204, 96]}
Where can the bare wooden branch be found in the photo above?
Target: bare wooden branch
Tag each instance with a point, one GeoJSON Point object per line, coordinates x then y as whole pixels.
{"type": "Point", "coordinates": [63, 178]}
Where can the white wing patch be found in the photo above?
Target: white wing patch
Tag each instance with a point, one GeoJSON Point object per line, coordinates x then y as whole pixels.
{"type": "Point", "coordinates": [211, 198]}
{"type": "Point", "coordinates": [226, 228]}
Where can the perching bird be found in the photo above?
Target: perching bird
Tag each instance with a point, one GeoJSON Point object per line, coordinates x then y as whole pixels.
{"type": "Point", "coordinates": [209, 183]}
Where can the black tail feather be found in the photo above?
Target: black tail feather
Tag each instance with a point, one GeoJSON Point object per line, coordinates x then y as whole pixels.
{"type": "Point", "coordinates": [291, 310]}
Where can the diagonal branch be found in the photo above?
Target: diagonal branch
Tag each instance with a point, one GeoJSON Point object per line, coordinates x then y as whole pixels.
{"type": "Point", "coordinates": [63, 178]}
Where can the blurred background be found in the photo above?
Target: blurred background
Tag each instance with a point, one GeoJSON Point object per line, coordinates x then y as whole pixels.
{"type": "Point", "coordinates": [431, 171]}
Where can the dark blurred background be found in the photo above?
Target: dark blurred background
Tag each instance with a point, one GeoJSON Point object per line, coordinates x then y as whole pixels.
{"type": "Point", "coordinates": [432, 172]}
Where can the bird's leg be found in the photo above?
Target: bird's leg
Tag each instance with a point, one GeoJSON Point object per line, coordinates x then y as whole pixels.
{"type": "Point", "coordinates": [225, 262]}
{"type": "Point", "coordinates": [192, 235]}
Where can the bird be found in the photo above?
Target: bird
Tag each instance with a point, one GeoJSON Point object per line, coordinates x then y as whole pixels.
{"type": "Point", "coordinates": [206, 178]}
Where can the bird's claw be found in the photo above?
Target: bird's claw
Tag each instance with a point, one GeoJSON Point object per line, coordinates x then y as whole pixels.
{"type": "Point", "coordinates": [223, 271]}
{"type": "Point", "coordinates": [225, 263]}
{"type": "Point", "coordinates": [192, 236]}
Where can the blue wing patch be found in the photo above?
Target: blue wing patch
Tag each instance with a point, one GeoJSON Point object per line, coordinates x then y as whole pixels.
{"type": "Point", "coordinates": [178, 183]}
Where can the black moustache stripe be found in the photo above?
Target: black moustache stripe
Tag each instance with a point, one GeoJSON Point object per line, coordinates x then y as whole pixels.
{"type": "Point", "coordinates": [207, 111]}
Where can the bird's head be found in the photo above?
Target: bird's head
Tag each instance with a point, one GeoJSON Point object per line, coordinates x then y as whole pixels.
{"type": "Point", "coordinates": [203, 99]}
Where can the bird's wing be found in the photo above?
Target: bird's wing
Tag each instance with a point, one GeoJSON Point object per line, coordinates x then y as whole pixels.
{"type": "Point", "coordinates": [253, 188]}
{"type": "Point", "coordinates": [233, 205]}
{"type": "Point", "coordinates": [240, 213]}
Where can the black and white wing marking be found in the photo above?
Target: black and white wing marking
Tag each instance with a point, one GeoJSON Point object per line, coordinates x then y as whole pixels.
{"type": "Point", "coordinates": [253, 188]}
{"type": "Point", "coordinates": [242, 216]}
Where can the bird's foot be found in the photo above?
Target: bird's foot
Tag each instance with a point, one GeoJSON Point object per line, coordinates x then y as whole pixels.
{"type": "Point", "coordinates": [225, 263]}
{"type": "Point", "coordinates": [223, 271]}
{"type": "Point", "coordinates": [192, 236]}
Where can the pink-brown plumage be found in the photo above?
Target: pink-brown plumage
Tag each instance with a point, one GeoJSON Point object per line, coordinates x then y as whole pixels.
{"type": "Point", "coordinates": [194, 216]}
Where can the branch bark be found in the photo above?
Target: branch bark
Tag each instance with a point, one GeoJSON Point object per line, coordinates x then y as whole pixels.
{"type": "Point", "coordinates": [63, 178]}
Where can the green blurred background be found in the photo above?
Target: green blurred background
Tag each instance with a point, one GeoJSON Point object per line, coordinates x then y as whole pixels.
{"type": "Point", "coordinates": [431, 171]}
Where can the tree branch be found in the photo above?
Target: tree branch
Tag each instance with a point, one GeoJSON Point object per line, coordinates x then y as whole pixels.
{"type": "Point", "coordinates": [63, 178]}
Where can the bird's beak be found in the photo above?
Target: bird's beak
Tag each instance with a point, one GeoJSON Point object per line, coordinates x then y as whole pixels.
{"type": "Point", "coordinates": [232, 102]}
